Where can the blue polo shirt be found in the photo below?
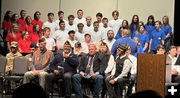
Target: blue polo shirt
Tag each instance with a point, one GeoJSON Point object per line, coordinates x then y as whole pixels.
{"type": "Point", "coordinates": [149, 29]}
{"type": "Point", "coordinates": [124, 40]}
{"type": "Point", "coordinates": [143, 38]}
{"type": "Point", "coordinates": [167, 30]}
{"type": "Point", "coordinates": [157, 36]}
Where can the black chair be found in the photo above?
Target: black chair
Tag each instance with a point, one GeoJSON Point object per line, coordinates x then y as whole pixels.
{"type": "Point", "coordinates": [3, 62]}
{"type": "Point", "coordinates": [20, 66]}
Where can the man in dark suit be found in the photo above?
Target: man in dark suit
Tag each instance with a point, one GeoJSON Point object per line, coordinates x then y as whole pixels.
{"type": "Point", "coordinates": [63, 66]}
{"type": "Point", "coordinates": [91, 68]}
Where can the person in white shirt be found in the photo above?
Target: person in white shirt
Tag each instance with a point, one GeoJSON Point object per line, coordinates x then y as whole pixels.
{"type": "Point", "coordinates": [86, 43]}
{"type": "Point", "coordinates": [71, 38]}
{"type": "Point", "coordinates": [61, 35]}
{"type": "Point", "coordinates": [99, 17]}
{"type": "Point", "coordinates": [110, 39]}
{"type": "Point", "coordinates": [133, 71]}
{"type": "Point", "coordinates": [80, 18]}
{"type": "Point", "coordinates": [116, 23]}
{"type": "Point", "coordinates": [105, 28]}
{"type": "Point", "coordinates": [88, 27]}
{"type": "Point", "coordinates": [50, 43]}
{"type": "Point", "coordinates": [96, 34]}
{"type": "Point", "coordinates": [50, 23]}
{"type": "Point", "coordinates": [70, 26]}
{"type": "Point", "coordinates": [79, 35]}
{"type": "Point", "coordinates": [61, 17]}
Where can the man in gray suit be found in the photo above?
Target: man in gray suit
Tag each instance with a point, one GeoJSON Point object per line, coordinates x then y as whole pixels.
{"type": "Point", "coordinates": [91, 67]}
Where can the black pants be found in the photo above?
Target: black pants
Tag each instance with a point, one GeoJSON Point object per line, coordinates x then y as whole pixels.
{"type": "Point", "coordinates": [52, 78]}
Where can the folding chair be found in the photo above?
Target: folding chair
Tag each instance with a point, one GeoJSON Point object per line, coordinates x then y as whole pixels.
{"type": "Point", "coordinates": [3, 62]}
{"type": "Point", "coordinates": [20, 66]}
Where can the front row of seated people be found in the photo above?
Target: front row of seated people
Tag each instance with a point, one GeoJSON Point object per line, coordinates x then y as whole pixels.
{"type": "Point", "coordinates": [75, 67]}
{"type": "Point", "coordinates": [92, 67]}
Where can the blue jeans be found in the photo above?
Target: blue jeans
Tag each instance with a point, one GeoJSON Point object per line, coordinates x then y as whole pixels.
{"type": "Point", "coordinates": [77, 78]}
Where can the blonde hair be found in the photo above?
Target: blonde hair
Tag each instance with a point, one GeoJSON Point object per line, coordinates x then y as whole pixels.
{"type": "Point", "coordinates": [12, 29]}
{"type": "Point", "coordinates": [167, 21]}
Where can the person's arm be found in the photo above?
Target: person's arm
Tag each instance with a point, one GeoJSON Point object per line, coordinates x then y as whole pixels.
{"type": "Point", "coordinates": [51, 59]}
{"type": "Point", "coordinates": [126, 69]}
{"type": "Point", "coordinates": [150, 45]}
{"type": "Point", "coordinates": [145, 46]}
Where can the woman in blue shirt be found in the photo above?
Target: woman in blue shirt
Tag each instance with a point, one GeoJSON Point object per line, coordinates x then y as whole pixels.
{"type": "Point", "coordinates": [133, 26]}
{"type": "Point", "coordinates": [167, 30]}
{"type": "Point", "coordinates": [143, 37]}
{"type": "Point", "coordinates": [150, 26]}
{"type": "Point", "coordinates": [124, 26]}
{"type": "Point", "coordinates": [158, 37]}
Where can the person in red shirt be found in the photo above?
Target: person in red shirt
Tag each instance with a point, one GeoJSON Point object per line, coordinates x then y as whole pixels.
{"type": "Point", "coordinates": [13, 35]}
{"type": "Point", "coordinates": [34, 37]}
{"type": "Point", "coordinates": [15, 18]}
{"type": "Point", "coordinates": [37, 16]}
{"type": "Point", "coordinates": [24, 43]}
{"type": "Point", "coordinates": [6, 26]}
{"type": "Point", "coordinates": [29, 26]}
{"type": "Point", "coordinates": [21, 21]}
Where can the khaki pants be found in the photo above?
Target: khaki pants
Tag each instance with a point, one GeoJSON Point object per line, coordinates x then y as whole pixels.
{"type": "Point", "coordinates": [29, 75]}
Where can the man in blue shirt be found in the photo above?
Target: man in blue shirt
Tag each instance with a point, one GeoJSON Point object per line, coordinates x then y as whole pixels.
{"type": "Point", "coordinates": [124, 40]}
{"type": "Point", "coordinates": [158, 37]}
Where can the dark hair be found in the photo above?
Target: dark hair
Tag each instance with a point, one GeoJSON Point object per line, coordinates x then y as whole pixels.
{"type": "Point", "coordinates": [159, 47]}
{"type": "Point", "coordinates": [70, 16]}
{"type": "Point", "coordinates": [21, 11]}
{"type": "Point", "coordinates": [105, 19]}
{"type": "Point", "coordinates": [26, 19]}
{"type": "Point", "coordinates": [79, 10]}
{"type": "Point", "coordinates": [158, 22]}
{"type": "Point", "coordinates": [6, 16]}
{"type": "Point", "coordinates": [153, 22]}
{"type": "Point", "coordinates": [35, 17]}
{"type": "Point", "coordinates": [99, 14]}
{"type": "Point", "coordinates": [80, 24]}
{"type": "Point", "coordinates": [60, 12]}
{"type": "Point", "coordinates": [34, 29]}
{"type": "Point", "coordinates": [61, 21]}
{"type": "Point", "coordinates": [42, 39]}
{"type": "Point", "coordinates": [50, 14]}
{"type": "Point", "coordinates": [33, 45]}
{"type": "Point", "coordinates": [24, 91]}
{"type": "Point", "coordinates": [87, 34]}
{"type": "Point", "coordinates": [71, 31]}
{"type": "Point", "coordinates": [95, 22]}
{"type": "Point", "coordinates": [13, 18]}
{"type": "Point", "coordinates": [115, 11]}
{"type": "Point", "coordinates": [132, 22]}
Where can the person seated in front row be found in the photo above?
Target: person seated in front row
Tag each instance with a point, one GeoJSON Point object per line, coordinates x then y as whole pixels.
{"type": "Point", "coordinates": [63, 66]}
{"type": "Point", "coordinates": [33, 48]}
{"type": "Point", "coordinates": [11, 56]}
{"type": "Point", "coordinates": [170, 61]}
{"type": "Point", "coordinates": [40, 64]}
{"type": "Point", "coordinates": [120, 73]}
{"type": "Point", "coordinates": [90, 68]}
